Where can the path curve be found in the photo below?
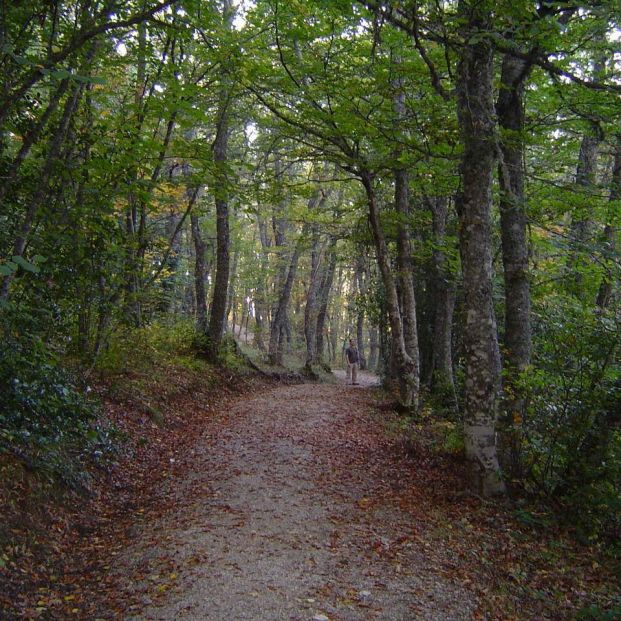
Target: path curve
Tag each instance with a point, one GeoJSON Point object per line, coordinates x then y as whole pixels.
{"type": "Point", "coordinates": [277, 521]}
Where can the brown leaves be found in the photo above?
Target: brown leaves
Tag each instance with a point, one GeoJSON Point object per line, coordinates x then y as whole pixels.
{"type": "Point", "coordinates": [62, 562]}
{"type": "Point", "coordinates": [397, 510]}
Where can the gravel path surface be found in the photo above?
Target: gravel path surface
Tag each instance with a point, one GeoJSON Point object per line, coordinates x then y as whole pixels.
{"type": "Point", "coordinates": [277, 521]}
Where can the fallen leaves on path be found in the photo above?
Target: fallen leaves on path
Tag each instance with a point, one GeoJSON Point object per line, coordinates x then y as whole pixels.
{"type": "Point", "coordinates": [399, 525]}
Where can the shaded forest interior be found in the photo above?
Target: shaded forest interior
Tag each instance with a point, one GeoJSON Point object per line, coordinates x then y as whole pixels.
{"type": "Point", "coordinates": [256, 183]}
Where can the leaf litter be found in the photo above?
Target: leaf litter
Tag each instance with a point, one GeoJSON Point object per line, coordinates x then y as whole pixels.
{"type": "Point", "coordinates": [291, 502]}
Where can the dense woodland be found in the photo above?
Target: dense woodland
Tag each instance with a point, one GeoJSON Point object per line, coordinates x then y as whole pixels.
{"type": "Point", "coordinates": [438, 180]}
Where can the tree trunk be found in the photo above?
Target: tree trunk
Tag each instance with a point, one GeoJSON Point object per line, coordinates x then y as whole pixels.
{"type": "Point", "coordinates": [361, 287]}
{"type": "Point", "coordinates": [582, 223]}
{"type": "Point", "coordinates": [513, 214]}
{"type": "Point", "coordinates": [373, 349]}
{"type": "Point", "coordinates": [443, 305]}
{"type": "Point", "coordinates": [404, 246]}
{"type": "Point", "coordinates": [217, 318]}
{"type": "Point", "coordinates": [40, 193]}
{"type": "Point", "coordinates": [335, 320]}
{"type": "Point", "coordinates": [384, 350]}
{"type": "Point", "coordinates": [606, 291]}
{"type": "Point", "coordinates": [261, 302]}
{"type": "Point", "coordinates": [134, 229]}
{"type": "Point", "coordinates": [476, 116]}
{"type": "Point", "coordinates": [279, 319]}
{"type": "Point", "coordinates": [199, 274]}
{"type": "Point", "coordinates": [360, 339]}
{"type": "Point", "coordinates": [407, 368]}
{"type": "Point", "coordinates": [518, 341]}
{"type": "Point", "coordinates": [324, 296]}
{"type": "Point", "coordinates": [31, 138]}
{"type": "Point", "coordinates": [310, 310]}
{"type": "Point", "coordinates": [231, 304]}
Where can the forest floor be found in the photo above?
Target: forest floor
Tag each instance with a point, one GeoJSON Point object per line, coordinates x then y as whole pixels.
{"type": "Point", "coordinates": [280, 519]}
{"type": "Point", "coordinates": [300, 502]}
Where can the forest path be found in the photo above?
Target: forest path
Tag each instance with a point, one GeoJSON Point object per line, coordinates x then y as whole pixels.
{"type": "Point", "coordinates": [292, 512]}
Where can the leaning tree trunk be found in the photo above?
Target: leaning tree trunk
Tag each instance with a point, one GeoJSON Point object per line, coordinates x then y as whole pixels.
{"type": "Point", "coordinates": [36, 200]}
{"type": "Point", "coordinates": [475, 109]}
{"type": "Point", "coordinates": [30, 138]}
{"type": "Point", "coordinates": [407, 368]}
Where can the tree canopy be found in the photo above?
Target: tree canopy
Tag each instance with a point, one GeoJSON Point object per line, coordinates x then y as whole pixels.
{"type": "Point", "coordinates": [438, 180]}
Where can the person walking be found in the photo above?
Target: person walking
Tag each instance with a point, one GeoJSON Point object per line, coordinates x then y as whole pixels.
{"type": "Point", "coordinates": [353, 361]}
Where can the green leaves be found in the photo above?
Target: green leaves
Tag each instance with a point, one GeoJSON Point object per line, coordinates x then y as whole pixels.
{"type": "Point", "coordinates": [60, 74]}
{"type": "Point", "coordinates": [27, 265]}
{"type": "Point", "coordinates": [65, 74]}
{"type": "Point", "coordinates": [6, 269]}
{"type": "Point", "coordinates": [10, 267]}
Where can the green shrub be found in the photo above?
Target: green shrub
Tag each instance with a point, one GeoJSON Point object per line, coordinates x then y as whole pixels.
{"type": "Point", "coordinates": [45, 418]}
{"type": "Point", "coordinates": [572, 443]}
{"type": "Point", "coordinates": [136, 349]}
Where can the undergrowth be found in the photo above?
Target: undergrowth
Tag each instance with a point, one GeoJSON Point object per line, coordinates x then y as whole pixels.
{"type": "Point", "coordinates": [48, 420]}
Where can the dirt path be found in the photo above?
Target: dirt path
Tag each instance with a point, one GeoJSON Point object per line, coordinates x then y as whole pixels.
{"type": "Point", "coordinates": [280, 520]}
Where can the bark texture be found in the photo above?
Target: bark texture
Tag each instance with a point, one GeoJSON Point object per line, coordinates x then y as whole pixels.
{"type": "Point", "coordinates": [513, 224]}
{"type": "Point", "coordinates": [510, 109]}
{"type": "Point", "coordinates": [361, 287]}
{"type": "Point", "coordinates": [373, 349]}
{"type": "Point", "coordinates": [261, 302]}
{"type": "Point", "coordinates": [404, 248]}
{"type": "Point", "coordinates": [476, 116]}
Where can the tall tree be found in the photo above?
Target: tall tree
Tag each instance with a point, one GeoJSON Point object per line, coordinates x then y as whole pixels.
{"type": "Point", "coordinates": [513, 220]}
{"type": "Point", "coordinates": [476, 114]}
{"type": "Point", "coordinates": [404, 247]}
{"type": "Point", "coordinates": [217, 318]}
